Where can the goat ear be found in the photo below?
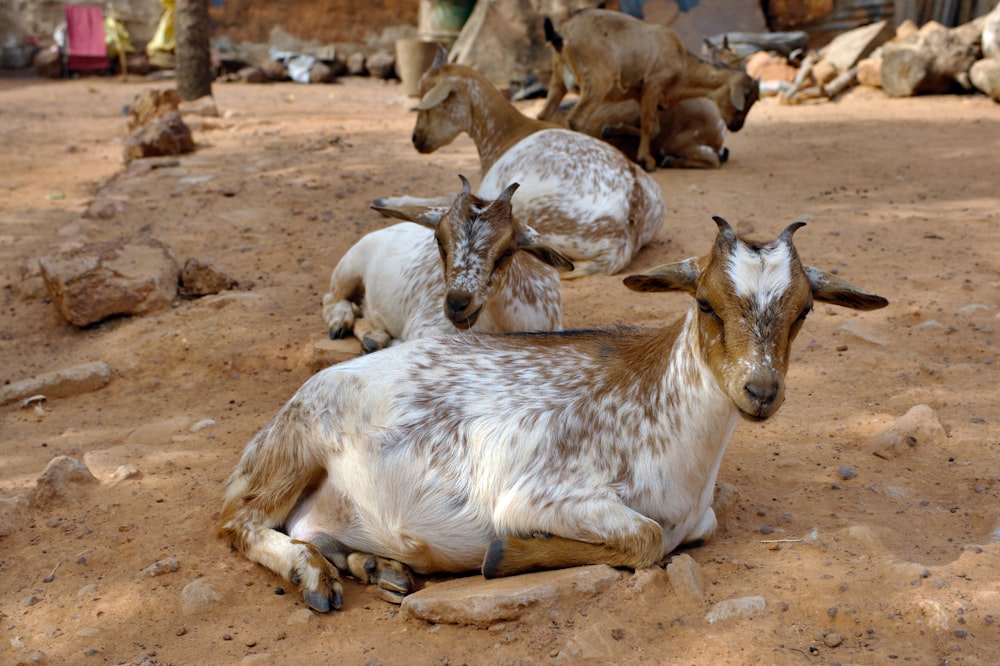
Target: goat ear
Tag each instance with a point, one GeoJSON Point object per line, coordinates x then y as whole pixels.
{"type": "Point", "coordinates": [440, 58]}
{"type": "Point", "coordinates": [548, 255]}
{"type": "Point", "coordinates": [737, 96]}
{"type": "Point", "coordinates": [829, 288]}
{"type": "Point", "coordinates": [434, 96]}
{"type": "Point", "coordinates": [679, 276]}
{"type": "Point", "coordinates": [425, 216]}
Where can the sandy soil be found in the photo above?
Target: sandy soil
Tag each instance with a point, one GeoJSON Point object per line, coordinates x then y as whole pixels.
{"type": "Point", "coordinates": [893, 565]}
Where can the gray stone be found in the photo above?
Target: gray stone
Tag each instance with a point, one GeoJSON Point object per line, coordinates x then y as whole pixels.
{"type": "Point", "coordinates": [381, 64]}
{"type": "Point", "coordinates": [918, 427]}
{"type": "Point", "coordinates": [847, 48]}
{"type": "Point", "coordinates": [160, 567]}
{"type": "Point", "coordinates": [198, 596]}
{"type": "Point", "coordinates": [934, 61]}
{"type": "Point", "coordinates": [985, 76]}
{"type": "Point", "coordinates": [62, 480]}
{"type": "Point", "coordinates": [301, 616]}
{"type": "Point", "coordinates": [64, 383]}
{"type": "Point", "coordinates": [745, 606]}
{"type": "Point", "coordinates": [356, 64]}
{"type": "Point", "coordinates": [119, 277]}
{"type": "Point", "coordinates": [478, 602]}
{"type": "Point", "coordinates": [685, 578]}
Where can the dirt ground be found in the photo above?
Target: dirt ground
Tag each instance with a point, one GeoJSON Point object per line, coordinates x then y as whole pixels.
{"type": "Point", "coordinates": [893, 565]}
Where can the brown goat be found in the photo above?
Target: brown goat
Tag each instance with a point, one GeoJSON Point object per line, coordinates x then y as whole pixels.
{"type": "Point", "coordinates": [614, 57]}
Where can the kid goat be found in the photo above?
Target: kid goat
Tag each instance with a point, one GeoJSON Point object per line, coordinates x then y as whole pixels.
{"type": "Point", "coordinates": [498, 277]}
{"type": "Point", "coordinates": [532, 450]}
{"type": "Point", "coordinates": [584, 197]}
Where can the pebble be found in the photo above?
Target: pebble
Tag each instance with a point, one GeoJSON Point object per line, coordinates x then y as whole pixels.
{"type": "Point", "coordinates": [732, 607]}
{"type": "Point", "coordinates": [846, 473]}
{"type": "Point", "coordinates": [168, 565]}
{"type": "Point", "coordinates": [832, 639]}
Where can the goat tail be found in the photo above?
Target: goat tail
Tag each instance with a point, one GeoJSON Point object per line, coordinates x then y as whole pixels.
{"type": "Point", "coordinates": [551, 36]}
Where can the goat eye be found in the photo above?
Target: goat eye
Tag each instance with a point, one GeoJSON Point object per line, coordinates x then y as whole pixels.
{"type": "Point", "coordinates": [507, 254]}
{"type": "Point", "coordinates": [705, 307]}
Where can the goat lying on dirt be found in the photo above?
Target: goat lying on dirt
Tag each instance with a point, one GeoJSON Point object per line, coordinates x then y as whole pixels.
{"type": "Point", "coordinates": [614, 57]}
{"type": "Point", "coordinates": [529, 450]}
{"type": "Point", "coordinates": [691, 135]}
{"type": "Point", "coordinates": [498, 277]}
{"type": "Point", "coordinates": [581, 195]}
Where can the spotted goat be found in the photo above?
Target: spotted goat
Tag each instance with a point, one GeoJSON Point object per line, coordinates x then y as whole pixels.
{"type": "Point", "coordinates": [584, 197]}
{"type": "Point", "coordinates": [527, 451]}
{"type": "Point", "coordinates": [497, 276]}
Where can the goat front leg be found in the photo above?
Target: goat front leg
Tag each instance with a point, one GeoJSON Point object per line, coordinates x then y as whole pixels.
{"type": "Point", "coordinates": [278, 465]}
{"type": "Point", "coordinates": [649, 126]}
{"type": "Point", "coordinates": [557, 91]}
{"type": "Point", "coordinates": [626, 538]}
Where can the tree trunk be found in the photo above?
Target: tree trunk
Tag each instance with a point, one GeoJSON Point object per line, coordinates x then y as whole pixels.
{"type": "Point", "coordinates": [194, 58]}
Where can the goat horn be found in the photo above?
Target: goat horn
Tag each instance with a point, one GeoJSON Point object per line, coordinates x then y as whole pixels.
{"type": "Point", "coordinates": [466, 188]}
{"type": "Point", "coordinates": [725, 230]}
{"type": "Point", "coordinates": [786, 235]}
{"type": "Point", "coordinates": [509, 192]}
{"type": "Point", "coordinates": [440, 58]}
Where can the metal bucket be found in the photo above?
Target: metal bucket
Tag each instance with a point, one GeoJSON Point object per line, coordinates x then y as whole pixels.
{"type": "Point", "coordinates": [413, 58]}
{"type": "Point", "coordinates": [442, 20]}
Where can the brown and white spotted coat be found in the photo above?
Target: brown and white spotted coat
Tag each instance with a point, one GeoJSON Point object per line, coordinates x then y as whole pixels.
{"type": "Point", "coordinates": [472, 267]}
{"type": "Point", "coordinates": [526, 451]}
{"type": "Point", "coordinates": [584, 197]}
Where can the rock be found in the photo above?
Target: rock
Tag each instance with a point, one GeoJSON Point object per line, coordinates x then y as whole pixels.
{"type": "Point", "coordinates": [918, 427]}
{"type": "Point", "coordinates": [745, 606]}
{"type": "Point", "coordinates": [301, 616]}
{"type": "Point", "coordinates": [935, 61]}
{"type": "Point", "coordinates": [990, 39]}
{"type": "Point", "coordinates": [160, 567]}
{"type": "Point", "coordinates": [62, 480]}
{"type": "Point", "coordinates": [477, 602]}
{"type": "Point", "coordinates": [11, 510]}
{"type": "Point", "coordinates": [200, 277]}
{"type": "Point", "coordinates": [321, 73]}
{"type": "Point", "coordinates": [122, 473]}
{"type": "Point", "coordinates": [254, 74]}
{"type": "Point", "coordinates": [863, 331]}
{"type": "Point", "coordinates": [356, 64]}
{"type": "Point", "coordinates": [870, 72]}
{"type": "Point", "coordinates": [274, 71]}
{"type": "Point", "coordinates": [119, 277]}
{"type": "Point", "coordinates": [63, 383]}
{"type": "Point", "coordinates": [48, 63]}
{"type": "Point", "coordinates": [103, 209]}
{"type": "Point", "coordinates": [847, 48]}
{"type": "Point", "coordinates": [769, 67]}
{"type": "Point", "coordinates": [381, 64]}
{"type": "Point", "coordinates": [985, 76]}
{"type": "Point", "coordinates": [685, 577]}
{"type": "Point", "coordinates": [151, 104]}
{"type": "Point", "coordinates": [198, 596]}
{"type": "Point", "coordinates": [593, 644]}
{"type": "Point", "coordinates": [165, 135]}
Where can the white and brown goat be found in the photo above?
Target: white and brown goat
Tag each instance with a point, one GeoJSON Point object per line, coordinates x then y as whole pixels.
{"type": "Point", "coordinates": [582, 196]}
{"type": "Point", "coordinates": [497, 275]}
{"type": "Point", "coordinates": [527, 451]}
{"type": "Point", "coordinates": [614, 57]}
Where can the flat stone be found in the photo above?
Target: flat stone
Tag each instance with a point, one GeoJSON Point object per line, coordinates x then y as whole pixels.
{"type": "Point", "coordinates": [846, 49]}
{"type": "Point", "coordinates": [64, 383]}
{"type": "Point", "coordinates": [478, 602]}
{"type": "Point", "coordinates": [61, 480]}
{"type": "Point", "coordinates": [198, 596]}
{"type": "Point", "coordinates": [919, 427]}
{"type": "Point", "coordinates": [686, 579]}
{"type": "Point", "coordinates": [744, 606]}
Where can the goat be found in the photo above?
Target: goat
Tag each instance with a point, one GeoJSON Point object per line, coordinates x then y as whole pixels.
{"type": "Point", "coordinates": [584, 197]}
{"type": "Point", "coordinates": [615, 57]}
{"type": "Point", "coordinates": [691, 135]}
{"type": "Point", "coordinates": [498, 276]}
{"type": "Point", "coordinates": [530, 450]}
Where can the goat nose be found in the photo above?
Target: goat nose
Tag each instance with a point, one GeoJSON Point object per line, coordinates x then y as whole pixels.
{"type": "Point", "coordinates": [413, 138]}
{"type": "Point", "coordinates": [458, 302]}
{"type": "Point", "coordinates": [762, 393]}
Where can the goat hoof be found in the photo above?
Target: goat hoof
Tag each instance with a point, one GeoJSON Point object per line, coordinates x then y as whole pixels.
{"type": "Point", "coordinates": [322, 603]}
{"type": "Point", "coordinates": [339, 333]}
{"type": "Point", "coordinates": [667, 161]}
{"type": "Point", "coordinates": [493, 559]}
{"type": "Point", "coordinates": [394, 581]}
{"type": "Point", "coordinates": [723, 155]}
{"type": "Point", "coordinates": [388, 595]}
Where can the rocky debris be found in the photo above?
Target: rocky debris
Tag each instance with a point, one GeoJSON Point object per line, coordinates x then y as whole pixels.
{"type": "Point", "coordinates": [985, 76]}
{"type": "Point", "coordinates": [685, 577]}
{"type": "Point", "coordinates": [848, 48]}
{"type": "Point", "coordinates": [322, 73]}
{"type": "Point", "coordinates": [151, 104]}
{"type": "Point", "coordinates": [918, 427]}
{"type": "Point", "coordinates": [62, 480]}
{"type": "Point", "coordinates": [199, 595]}
{"type": "Point", "coordinates": [160, 567]}
{"type": "Point", "coordinates": [477, 602]}
{"type": "Point", "coordinates": [203, 106]}
{"type": "Point", "coordinates": [381, 64]}
{"type": "Point", "coordinates": [745, 606]}
{"type": "Point", "coordinates": [936, 60]}
{"type": "Point", "coordinates": [103, 208]}
{"type": "Point", "coordinates": [118, 277]}
{"type": "Point", "coordinates": [201, 277]}
{"type": "Point", "coordinates": [164, 135]}
{"type": "Point", "coordinates": [11, 510]}
{"type": "Point", "coordinates": [64, 383]}
{"type": "Point", "coordinates": [356, 64]}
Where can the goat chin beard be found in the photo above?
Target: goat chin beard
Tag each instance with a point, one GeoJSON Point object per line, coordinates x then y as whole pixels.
{"type": "Point", "coordinates": [760, 413]}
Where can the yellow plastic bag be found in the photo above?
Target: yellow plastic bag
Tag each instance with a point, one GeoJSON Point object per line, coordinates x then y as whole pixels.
{"type": "Point", "coordinates": [163, 40]}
